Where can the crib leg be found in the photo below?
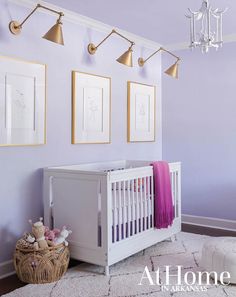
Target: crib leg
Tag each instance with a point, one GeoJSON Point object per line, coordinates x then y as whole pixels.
{"type": "Point", "coordinates": [106, 270]}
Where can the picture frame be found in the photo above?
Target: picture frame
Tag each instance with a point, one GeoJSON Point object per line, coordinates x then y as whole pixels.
{"type": "Point", "coordinates": [91, 108]}
{"type": "Point", "coordinates": [22, 102]}
{"type": "Point", "coordinates": [141, 112]}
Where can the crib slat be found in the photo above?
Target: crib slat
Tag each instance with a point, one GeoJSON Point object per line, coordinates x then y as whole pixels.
{"type": "Point", "coordinates": [124, 211]}
{"type": "Point", "coordinates": [145, 203]}
{"type": "Point", "coordinates": [172, 183]}
{"type": "Point", "coordinates": [176, 192]}
{"type": "Point", "coordinates": [133, 208]}
{"type": "Point", "coordinates": [148, 202]}
{"type": "Point", "coordinates": [173, 190]}
{"type": "Point", "coordinates": [141, 203]}
{"type": "Point", "coordinates": [173, 186]}
{"type": "Point", "coordinates": [152, 200]}
{"type": "Point", "coordinates": [115, 212]}
{"type": "Point", "coordinates": [113, 215]}
{"type": "Point", "coordinates": [128, 208]}
{"type": "Point", "coordinates": [119, 210]}
{"type": "Point", "coordinates": [137, 205]}
{"type": "Point", "coordinates": [178, 198]}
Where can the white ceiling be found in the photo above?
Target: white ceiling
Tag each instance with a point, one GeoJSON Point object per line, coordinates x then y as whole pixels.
{"type": "Point", "coordinates": [162, 21]}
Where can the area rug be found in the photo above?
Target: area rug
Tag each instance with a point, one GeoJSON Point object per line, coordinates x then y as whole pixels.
{"type": "Point", "coordinates": [88, 281]}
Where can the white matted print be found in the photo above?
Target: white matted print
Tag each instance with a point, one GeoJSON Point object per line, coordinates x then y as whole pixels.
{"type": "Point", "coordinates": [22, 102]}
{"type": "Point", "coordinates": [91, 108]}
{"type": "Point", "coordinates": [141, 112]}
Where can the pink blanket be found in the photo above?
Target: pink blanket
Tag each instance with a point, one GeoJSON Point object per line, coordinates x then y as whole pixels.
{"type": "Point", "coordinates": [163, 205]}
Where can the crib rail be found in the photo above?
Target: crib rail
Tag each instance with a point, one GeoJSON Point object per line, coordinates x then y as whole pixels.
{"type": "Point", "coordinates": [132, 199]}
{"type": "Point", "coordinates": [175, 178]}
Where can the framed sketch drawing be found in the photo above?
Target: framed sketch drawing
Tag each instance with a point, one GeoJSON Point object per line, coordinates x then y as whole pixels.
{"type": "Point", "coordinates": [22, 102]}
{"type": "Point", "coordinates": [91, 96]}
{"type": "Point", "coordinates": [141, 112]}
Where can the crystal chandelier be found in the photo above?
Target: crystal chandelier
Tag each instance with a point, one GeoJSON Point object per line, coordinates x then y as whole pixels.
{"type": "Point", "coordinates": [206, 27]}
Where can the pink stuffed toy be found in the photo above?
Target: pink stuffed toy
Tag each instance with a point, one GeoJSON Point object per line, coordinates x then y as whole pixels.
{"type": "Point", "coordinates": [51, 234]}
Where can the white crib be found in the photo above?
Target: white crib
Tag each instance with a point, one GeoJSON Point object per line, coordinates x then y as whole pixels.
{"type": "Point", "coordinates": [109, 207]}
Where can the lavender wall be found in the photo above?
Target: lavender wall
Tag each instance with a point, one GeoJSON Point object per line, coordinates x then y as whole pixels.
{"type": "Point", "coordinates": [20, 167]}
{"type": "Point", "coordinates": [199, 128]}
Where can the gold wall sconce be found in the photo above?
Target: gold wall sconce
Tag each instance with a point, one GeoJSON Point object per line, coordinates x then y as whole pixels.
{"type": "Point", "coordinates": [125, 58]}
{"type": "Point", "coordinates": [55, 34]}
{"type": "Point", "coordinates": [172, 70]}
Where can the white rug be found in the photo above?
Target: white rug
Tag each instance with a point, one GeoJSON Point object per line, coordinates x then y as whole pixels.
{"type": "Point", "coordinates": [88, 281]}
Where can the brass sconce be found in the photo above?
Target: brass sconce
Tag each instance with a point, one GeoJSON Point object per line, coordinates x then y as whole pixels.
{"type": "Point", "coordinates": [172, 70]}
{"type": "Point", "coordinates": [125, 58]}
{"type": "Point", "coordinates": [54, 34]}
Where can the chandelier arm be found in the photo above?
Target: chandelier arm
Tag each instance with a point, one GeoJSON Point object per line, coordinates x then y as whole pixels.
{"type": "Point", "coordinates": [193, 12]}
{"type": "Point", "coordinates": [219, 12]}
{"type": "Point", "coordinates": [33, 11]}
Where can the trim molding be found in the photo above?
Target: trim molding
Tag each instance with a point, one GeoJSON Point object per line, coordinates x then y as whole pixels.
{"type": "Point", "coordinates": [185, 45]}
{"type": "Point", "coordinates": [87, 22]}
{"type": "Point", "coordinates": [209, 222]}
{"type": "Point", "coordinates": [6, 269]}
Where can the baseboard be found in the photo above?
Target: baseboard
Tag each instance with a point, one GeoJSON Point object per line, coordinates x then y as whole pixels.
{"type": "Point", "coordinates": [6, 269]}
{"type": "Point", "coordinates": [209, 222]}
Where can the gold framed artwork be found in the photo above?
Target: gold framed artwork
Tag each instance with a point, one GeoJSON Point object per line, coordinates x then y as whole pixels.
{"type": "Point", "coordinates": [141, 112]}
{"type": "Point", "coordinates": [91, 108]}
{"type": "Point", "coordinates": [22, 102]}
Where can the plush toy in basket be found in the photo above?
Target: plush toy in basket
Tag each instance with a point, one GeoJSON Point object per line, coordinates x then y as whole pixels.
{"type": "Point", "coordinates": [42, 256]}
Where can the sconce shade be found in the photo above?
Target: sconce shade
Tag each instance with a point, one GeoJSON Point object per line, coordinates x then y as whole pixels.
{"type": "Point", "coordinates": [173, 70]}
{"type": "Point", "coordinates": [55, 34]}
{"type": "Point", "coordinates": [126, 58]}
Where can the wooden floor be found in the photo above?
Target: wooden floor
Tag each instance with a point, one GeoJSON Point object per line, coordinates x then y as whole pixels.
{"type": "Point", "coordinates": [9, 284]}
{"type": "Point", "coordinates": [207, 231]}
{"type": "Point", "coordinates": [12, 282]}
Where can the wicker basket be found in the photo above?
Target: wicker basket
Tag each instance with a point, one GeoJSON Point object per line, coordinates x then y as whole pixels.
{"type": "Point", "coordinates": [41, 266]}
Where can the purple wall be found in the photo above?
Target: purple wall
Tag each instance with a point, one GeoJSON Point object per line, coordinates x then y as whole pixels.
{"type": "Point", "coordinates": [20, 167]}
{"type": "Point", "coordinates": [199, 128]}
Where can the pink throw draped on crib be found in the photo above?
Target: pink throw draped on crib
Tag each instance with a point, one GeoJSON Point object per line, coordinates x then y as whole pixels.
{"type": "Point", "coordinates": [163, 205]}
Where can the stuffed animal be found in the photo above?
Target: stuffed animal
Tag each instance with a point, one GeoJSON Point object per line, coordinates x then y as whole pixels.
{"type": "Point", "coordinates": [29, 238]}
{"type": "Point", "coordinates": [31, 241]}
{"type": "Point", "coordinates": [38, 231]}
{"type": "Point", "coordinates": [62, 236]}
{"type": "Point", "coordinates": [23, 244]}
{"type": "Point", "coordinates": [51, 234]}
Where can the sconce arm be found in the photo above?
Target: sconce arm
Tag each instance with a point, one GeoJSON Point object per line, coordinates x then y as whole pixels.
{"type": "Point", "coordinates": [141, 61]}
{"type": "Point", "coordinates": [170, 53]}
{"type": "Point", "coordinates": [104, 39]}
{"type": "Point", "coordinates": [122, 36]}
{"type": "Point", "coordinates": [114, 32]}
{"type": "Point", "coordinates": [33, 11]}
{"type": "Point", "coordinates": [153, 54]}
